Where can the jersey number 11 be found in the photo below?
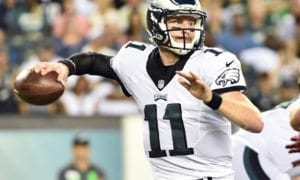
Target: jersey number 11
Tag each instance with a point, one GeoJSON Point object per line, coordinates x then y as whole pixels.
{"type": "Point", "coordinates": [174, 115]}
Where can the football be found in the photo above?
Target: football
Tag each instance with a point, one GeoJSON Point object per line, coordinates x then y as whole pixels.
{"type": "Point", "coordinates": [37, 89]}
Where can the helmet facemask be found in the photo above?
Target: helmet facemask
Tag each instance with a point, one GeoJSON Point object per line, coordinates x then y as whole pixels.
{"type": "Point", "coordinates": [160, 34]}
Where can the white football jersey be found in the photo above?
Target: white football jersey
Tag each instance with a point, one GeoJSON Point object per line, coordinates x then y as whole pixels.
{"type": "Point", "coordinates": [270, 143]}
{"type": "Point", "coordinates": [183, 138]}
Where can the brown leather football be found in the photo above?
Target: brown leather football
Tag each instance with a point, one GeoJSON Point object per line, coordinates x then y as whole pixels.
{"type": "Point", "coordinates": [37, 89]}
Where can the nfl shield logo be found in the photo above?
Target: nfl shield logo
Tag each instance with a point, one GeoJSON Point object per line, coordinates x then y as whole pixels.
{"type": "Point", "coordinates": [160, 84]}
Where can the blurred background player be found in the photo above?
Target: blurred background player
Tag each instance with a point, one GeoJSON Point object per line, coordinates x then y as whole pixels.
{"type": "Point", "coordinates": [81, 168]}
{"type": "Point", "coordinates": [264, 155]}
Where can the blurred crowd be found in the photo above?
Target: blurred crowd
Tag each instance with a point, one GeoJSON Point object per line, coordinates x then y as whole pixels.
{"type": "Point", "coordinates": [264, 34]}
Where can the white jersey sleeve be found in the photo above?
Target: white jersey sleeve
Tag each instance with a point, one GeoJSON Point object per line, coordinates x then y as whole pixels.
{"type": "Point", "coordinates": [225, 73]}
{"type": "Point", "coordinates": [132, 55]}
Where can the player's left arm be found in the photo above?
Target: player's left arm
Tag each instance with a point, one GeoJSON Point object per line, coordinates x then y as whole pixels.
{"type": "Point", "coordinates": [295, 118]}
{"type": "Point", "coordinates": [234, 105]}
{"type": "Point", "coordinates": [239, 109]}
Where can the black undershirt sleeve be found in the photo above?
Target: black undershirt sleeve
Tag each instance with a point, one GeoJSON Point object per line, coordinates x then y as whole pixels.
{"type": "Point", "coordinates": [94, 64]}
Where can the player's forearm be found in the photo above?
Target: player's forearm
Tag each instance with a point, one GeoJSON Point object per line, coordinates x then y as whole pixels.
{"type": "Point", "coordinates": [242, 113]}
{"type": "Point", "coordinates": [295, 118]}
{"type": "Point", "coordinates": [90, 63]}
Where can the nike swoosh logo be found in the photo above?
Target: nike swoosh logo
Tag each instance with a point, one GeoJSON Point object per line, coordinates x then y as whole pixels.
{"type": "Point", "coordinates": [229, 63]}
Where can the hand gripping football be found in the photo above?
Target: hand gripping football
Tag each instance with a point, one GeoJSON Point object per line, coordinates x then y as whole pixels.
{"type": "Point", "coordinates": [38, 89]}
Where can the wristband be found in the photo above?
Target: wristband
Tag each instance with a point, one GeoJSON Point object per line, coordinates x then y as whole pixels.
{"type": "Point", "coordinates": [215, 101]}
{"type": "Point", "coordinates": [70, 64]}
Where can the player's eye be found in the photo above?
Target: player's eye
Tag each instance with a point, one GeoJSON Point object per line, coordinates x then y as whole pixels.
{"type": "Point", "coordinates": [174, 21]}
{"type": "Point", "coordinates": [192, 22]}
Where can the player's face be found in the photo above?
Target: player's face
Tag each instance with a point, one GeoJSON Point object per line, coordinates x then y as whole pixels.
{"type": "Point", "coordinates": [81, 152]}
{"type": "Point", "coordinates": [181, 22]}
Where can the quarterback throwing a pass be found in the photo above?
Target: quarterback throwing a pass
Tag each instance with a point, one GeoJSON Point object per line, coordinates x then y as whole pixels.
{"type": "Point", "coordinates": [188, 93]}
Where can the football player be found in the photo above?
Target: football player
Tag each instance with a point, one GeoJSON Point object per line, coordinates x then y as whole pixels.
{"type": "Point", "coordinates": [269, 154]}
{"type": "Point", "coordinates": [188, 93]}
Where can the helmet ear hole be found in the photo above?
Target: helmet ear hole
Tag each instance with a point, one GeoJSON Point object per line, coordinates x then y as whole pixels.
{"type": "Point", "coordinates": [156, 33]}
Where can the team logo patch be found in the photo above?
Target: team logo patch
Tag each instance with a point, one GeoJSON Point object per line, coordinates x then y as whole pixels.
{"type": "Point", "coordinates": [193, 2]}
{"type": "Point", "coordinates": [160, 96]}
{"type": "Point", "coordinates": [160, 84]}
{"type": "Point", "coordinates": [231, 76]}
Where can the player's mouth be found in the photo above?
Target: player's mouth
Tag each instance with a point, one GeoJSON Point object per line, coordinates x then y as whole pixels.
{"type": "Point", "coordinates": [182, 39]}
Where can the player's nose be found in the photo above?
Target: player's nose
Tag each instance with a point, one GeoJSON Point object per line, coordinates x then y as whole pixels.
{"type": "Point", "coordinates": [187, 25]}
